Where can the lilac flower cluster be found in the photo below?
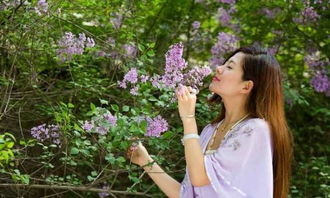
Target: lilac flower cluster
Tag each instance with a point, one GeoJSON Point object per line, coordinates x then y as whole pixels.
{"type": "Point", "coordinates": [174, 59]}
{"type": "Point", "coordinates": [116, 20]}
{"type": "Point", "coordinates": [69, 45]}
{"type": "Point", "coordinates": [320, 81]}
{"type": "Point", "coordinates": [196, 25]}
{"type": "Point", "coordinates": [100, 124]}
{"type": "Point", "coordinates": [195, 76]}
{"type": "Point", "coordinates": [173, 76]}
{"type": "Point", "coordinates": [156, 126]}
{"type": "Point", "coordinates": [224, 16]}
{"type": "Point", "coordinates": [104, 194]}
{"type": "Point", "coordinates": [131, 77]}
{"type": "Point", "coordinates": [5, 4]}
{"type": "Point", "coordinates": [44, 132]}
{"type": "Point", "coordinates": [307, 15]}
{"type": "Point", "coordinates": [270, 13]}
{"type": "Point", "coordinates": [42, 7]}
{"type": "Point", "coordinates": [130, 50]}
{"type": "Point", "coordinates": [313, 60]}
{"type": "Point", "coordinates": [225, 43]}
{"type": "Point", "coordinates": [174, 66]}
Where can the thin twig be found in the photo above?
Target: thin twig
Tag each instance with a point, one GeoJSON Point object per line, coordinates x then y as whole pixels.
{"type": "Point", "coordinates": [75, 188]}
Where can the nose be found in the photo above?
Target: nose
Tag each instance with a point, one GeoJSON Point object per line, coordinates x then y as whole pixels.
{"type": "Point", "coordinates": [219, 69]}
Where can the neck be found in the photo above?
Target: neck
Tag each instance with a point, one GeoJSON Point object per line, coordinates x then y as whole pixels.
{"type": "Point", "coordinates": [235, 109]}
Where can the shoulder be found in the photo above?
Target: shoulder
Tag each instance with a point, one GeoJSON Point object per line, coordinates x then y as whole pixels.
{"type": "Point", "coordinates": [259, 126]}
{"type": "Point", "coordinates": [258, 123]}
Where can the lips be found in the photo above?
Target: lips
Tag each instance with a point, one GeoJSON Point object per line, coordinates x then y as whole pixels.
{"type": "Point", "coordinates": [215, 78]}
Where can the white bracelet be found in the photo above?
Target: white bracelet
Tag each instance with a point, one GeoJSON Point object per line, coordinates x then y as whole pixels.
{"type": "Point", "coordinates": [188, 116]}
{"type": "Point", "coordinates": [189, 136]}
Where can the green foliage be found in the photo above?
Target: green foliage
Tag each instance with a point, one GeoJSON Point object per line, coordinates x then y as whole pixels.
{"type": "Point", "coordinates": [36, 87]}
{"type": "Point", "coordinates": [7, 141]}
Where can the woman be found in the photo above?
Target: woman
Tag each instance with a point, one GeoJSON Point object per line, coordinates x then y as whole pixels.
{"type": "Point", "coordinates": [244, 152]}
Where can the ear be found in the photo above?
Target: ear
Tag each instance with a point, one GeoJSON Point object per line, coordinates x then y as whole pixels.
{"type": "Point", "coordinates": [247, 86]}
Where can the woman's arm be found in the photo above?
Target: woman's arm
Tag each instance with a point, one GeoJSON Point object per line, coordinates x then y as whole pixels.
{"type": "Point", "coordinates": [166, 183]}
{"type": "Point", "coordinates": [194, 155]}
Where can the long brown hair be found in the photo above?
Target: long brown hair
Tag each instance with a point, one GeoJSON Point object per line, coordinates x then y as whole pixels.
{"type": "Point", "coordinates": [266, 101]}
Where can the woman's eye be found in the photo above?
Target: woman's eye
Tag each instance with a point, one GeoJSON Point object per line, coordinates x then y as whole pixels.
{"type": "Point", "coordinates": [229, 67]}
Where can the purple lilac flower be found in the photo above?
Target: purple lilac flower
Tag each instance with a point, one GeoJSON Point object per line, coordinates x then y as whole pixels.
{"type": "Point", "coordinates": [313, 60]}
{"type": "Point", "coordinates": [225, 43]}
{"type": "Point", "coordinates": [156, 126]}
{"type": "Point", "coordinates": [130, 50]}
{"type": "Point", "coordinates": [122, 84]}
{"type": "Point", "coordinates": [310, 15]}
{"type": "Point", "coordinates": [174, 59]}
{"type": "Point", "coordinates": [101, 53]}
{"type": "Point", "coordinates": [42, 7]}
{"type": "Point", "coordinates": [101, 130]}
{"type": "Point", "coordinates": [104, 194]}
{"type": "Point", "coordinates": [195, 76]}
{"type": "Point", "coordinates": [110, 118]}
{"type": "Point", "coordinates": [69, 45]}
{"type": "Point", "coordinates": [155, 81]}
{"type": "Point", "coordinates": [320, 82]}
{"type": "Point", "coordinates": [111, 41]}
{"type": "Point", "coordinates": [144, 78]}
{"type": "Point", "coordinates": [270, 13]}
{"type": "Point", "coordinates": [131, 76]}
{"type": "Point", "coordinates": [88, 125]}
{"type": "Point", "coordinates": [44, 132]}
{"type": "Point", "coordinates": [307, 15]}
{"type": "Point", "coordinates": [90, 42]}
{"type": "Point", "coordinates": [224, 16]}
{"type": "Point", "coordinates": [9, 4]}
{"type": "Point", "coordinates": [172, 79]}
{"type": "Point", "coordinates": [117, 20]}
{"type": "Point", "coordinates": [134, 90]}
{"type": "Point", "coordinates": [273, 50]}
{"type": "Point", "coordinates": [196, 24]}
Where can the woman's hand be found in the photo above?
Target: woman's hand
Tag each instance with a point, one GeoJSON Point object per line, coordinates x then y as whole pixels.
{"type": "Point", "coordinates": [186, 100]}
{"type": "Point", "coordinates": [138, 154]}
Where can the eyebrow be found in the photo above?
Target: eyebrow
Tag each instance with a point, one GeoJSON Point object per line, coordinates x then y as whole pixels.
{"type": "Point", "coordinates": [231, 61]}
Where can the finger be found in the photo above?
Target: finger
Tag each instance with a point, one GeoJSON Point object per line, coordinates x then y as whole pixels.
{"type": "Point", "coordinates": [184, 93]}
{"type": "Point", "coordinates": [179, 95]}
{"type": "Point", "coordinates": [190, 90]}
{"type": "Point", "coordinates": [193, 91]}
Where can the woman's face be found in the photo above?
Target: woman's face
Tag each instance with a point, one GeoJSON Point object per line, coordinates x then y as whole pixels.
{"type": "Point", "coordinates": [230, 76]}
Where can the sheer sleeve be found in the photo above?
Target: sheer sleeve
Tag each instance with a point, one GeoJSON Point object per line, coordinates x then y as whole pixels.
{"type": "Point", "coordinates": [242, 166]}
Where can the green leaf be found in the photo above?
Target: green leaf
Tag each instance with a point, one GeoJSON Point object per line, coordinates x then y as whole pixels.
{"type": "Point", "coordinates": [151, 53]}
{"type": "Point", "coordinates": [104, 102]}
{"type": "Point", "coordinates": [70, 105]}
{"type": "Point", "coordinates": [90, 178]}
{"type": "Point", "coordinates": [121, 159]}
{"type": "Point", "coordinates": [94, 173]}
{"type": "Point", "coordinates": [74, 151]}
{"type": "Point", "coordinates": [125, 108]}
{"type": "Point", "coordinates": [141, 47]}
{"type": "Point", "coordinates": [10, 144]}
{"type": "Point", "coordinates": [93, 108]}
{"type": "Point", "coordinates": [115, 107]}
